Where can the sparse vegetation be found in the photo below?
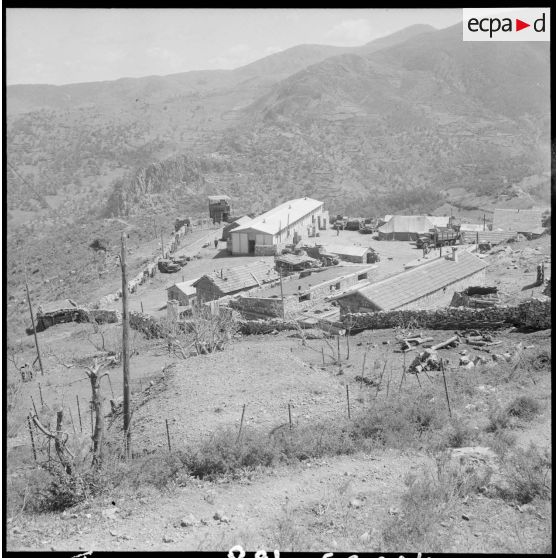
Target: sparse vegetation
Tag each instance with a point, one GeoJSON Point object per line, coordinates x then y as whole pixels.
{"type": "Point", "coordinates": [523, 407]}
{"type": "Point", "coordinates": [431, 496]}
{"type": "Point", "coordinates": [527, 473]}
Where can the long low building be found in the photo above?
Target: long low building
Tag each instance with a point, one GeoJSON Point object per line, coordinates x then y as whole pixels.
{"type": "Point", "coordinates": [294, 219]}
{"type": "Point", "coordinates": [301, 292]}
{"type": "Point", "coordinates": [230, 281]}
{"type": "Point", "coordinates": [426, 286]}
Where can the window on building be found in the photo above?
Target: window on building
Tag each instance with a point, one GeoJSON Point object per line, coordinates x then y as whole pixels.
{"type": "Point", "coordinates": [337, 286]}
{"type": "Point", "coordinates": [362, 276]}
{"type": "Point", "coordinates": [304, 297]}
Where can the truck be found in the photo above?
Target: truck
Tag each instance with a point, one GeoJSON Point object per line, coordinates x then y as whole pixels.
{"type": "Point", "coordinates": [436, 237]}
{"type": "Point", "coordinates": [354, 223]}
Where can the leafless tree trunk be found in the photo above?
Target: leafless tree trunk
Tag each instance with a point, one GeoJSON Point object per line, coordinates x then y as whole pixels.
{"type": "Point", "coordinates": [97, 405]}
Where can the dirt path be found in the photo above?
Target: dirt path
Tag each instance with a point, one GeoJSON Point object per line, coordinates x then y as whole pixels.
{"type": "Point", "coordinates": [256, 511]}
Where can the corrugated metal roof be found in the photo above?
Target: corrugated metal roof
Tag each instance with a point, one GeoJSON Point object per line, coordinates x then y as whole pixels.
{"type": "Point", "coordinates": [517, 220]}
{"type": "Point", "coordinates": [407, 224]}
{"type": "Point", "coordinates": [187, 287]}
{"type": "Point", "coordinates": [323, 275]}
{"type": "Point", "coordinates": [420, 281]}
{"type": "Point", "coordinates": [276, 219]}
{"type": "Point", "coordinates": [247, 276]}
{"type": "Point", "coordinates": [485, 237]}
{"type": "Point", "coordinates": [294, 259]}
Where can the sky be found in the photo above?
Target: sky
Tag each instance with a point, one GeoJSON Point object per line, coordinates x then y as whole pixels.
{"type": "Point", "coordinates": [59, 46]}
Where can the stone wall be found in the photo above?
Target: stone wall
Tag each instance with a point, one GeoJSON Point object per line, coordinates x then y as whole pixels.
{"type": "Point", "coordinates": [255, 327]}
{"type": "Point", "coordinates": [76, 314]}
{"type": "Point", "coordinates": [533, 313]}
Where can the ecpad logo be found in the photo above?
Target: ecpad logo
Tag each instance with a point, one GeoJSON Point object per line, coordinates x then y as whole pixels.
{"type": "Point", "coordinates": [500, 24]}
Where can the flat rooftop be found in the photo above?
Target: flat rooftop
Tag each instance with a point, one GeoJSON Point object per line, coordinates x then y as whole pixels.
{"type": "Point", "coordinates": [291, 286]}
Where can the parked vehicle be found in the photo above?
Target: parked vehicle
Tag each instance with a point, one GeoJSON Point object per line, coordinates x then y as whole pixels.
{"type": "Point", "coordinates": [168, 266]}
{"type": "Point", "coordinates": [181, 260]}
{"type": "Point", "coordinates": [178, 223]}
{"type": "Point", "coordinates": [367, 229]}
{"type": "Point", "coordinates": [439, 236]}
{"type": "Point", "coordinates": [354, 223]}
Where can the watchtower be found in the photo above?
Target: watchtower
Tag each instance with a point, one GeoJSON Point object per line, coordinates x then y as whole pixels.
{"type": "Point", "coordinates": [220, 208]}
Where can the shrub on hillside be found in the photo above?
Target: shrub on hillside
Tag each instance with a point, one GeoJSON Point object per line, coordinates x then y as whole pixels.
{"type": "Point", "coordinates": [429, 497]}
{"type": "Point", "coordinates": [528, 475]}
{"type": "Point", "coordinates": [523, 407]}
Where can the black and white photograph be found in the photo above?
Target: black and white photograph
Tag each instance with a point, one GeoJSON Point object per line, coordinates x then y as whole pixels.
{"type": "Point", "coordinates": [278, 280]}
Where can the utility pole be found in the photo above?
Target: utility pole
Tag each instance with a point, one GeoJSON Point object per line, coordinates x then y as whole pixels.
{"type": "Point", "coordinates": [484, 221]}
{"type": "Point", "coordinates": [162, 245]}
{"type": "Point", "coordinates": [33, 325]}
{"type": "Point", "coordinates": [125, 353]}
{"type": "Point", "coordinates": [282, 298]}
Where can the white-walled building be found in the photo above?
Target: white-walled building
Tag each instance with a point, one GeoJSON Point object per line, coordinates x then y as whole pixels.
{"type": "Point", "coordinates": [278, 226]}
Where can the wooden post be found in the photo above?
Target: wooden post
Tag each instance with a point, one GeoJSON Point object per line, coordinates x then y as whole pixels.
{"type": "Point", "coordinates": [141, 303]}
{"type": "Point", "coordinates": [79, 414]}
{"type": "Point", "coordinates": [348, 403]}
{"type": "Point", "coordinates": [347, 335]}
{"type": "Point", "coordinates": [338, 350]}
{"type": "Point", "coordinates": [168, 434]}
{"type": "Point", "coordinates": [32, 438]}
{"type": "Point", "coordinates": [162, 245]}
{"type": "Point", "coordinates": [477, 241]}
{"type": "Point", "coordinates": [290, 419]}
{"type": "Point", "coordinates": [125, 354]}
{"type": "Point", "coordinates": [282, 297]}
{"type": "Point", "coordinates": [484, 221]}
{"type": "Point", "coordinates": [323, 357]}
{"type": "Point", "coordinates": [241, 421]}
{"type": "Point", "coordinates": [446, 386]}
{"type": "Point", "coordinates": [33, 325]}
{"type": "Point", "coordinates": [41, 395]}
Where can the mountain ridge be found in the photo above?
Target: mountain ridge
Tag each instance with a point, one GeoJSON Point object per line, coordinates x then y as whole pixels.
{"type": "Point", "coordinates": [413, 111]}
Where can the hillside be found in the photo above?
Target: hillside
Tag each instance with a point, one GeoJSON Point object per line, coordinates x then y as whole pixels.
{"type": "Point", "coordinates": [74, 141]}
{"type": "Point", "coordinates": [410, 122]}
{"type": "Point", "coordinates": [395, 129]}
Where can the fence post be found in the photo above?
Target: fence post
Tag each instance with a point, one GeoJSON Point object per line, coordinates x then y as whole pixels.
{"type": "Point", "coordinates": [79, 414]}
{"type": "Point", "coordinates": [32, 438]}
{"type": "Point", "coordinates": [290, 419]}
{"type": "Point", "coordinates": [241, 421]}
{"type": "Point", "coordinates": [446, 387]}
{"type": "Point", "coordinates": [168, 434]}
{"type": "Point", "coordinates": [348, 403]}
